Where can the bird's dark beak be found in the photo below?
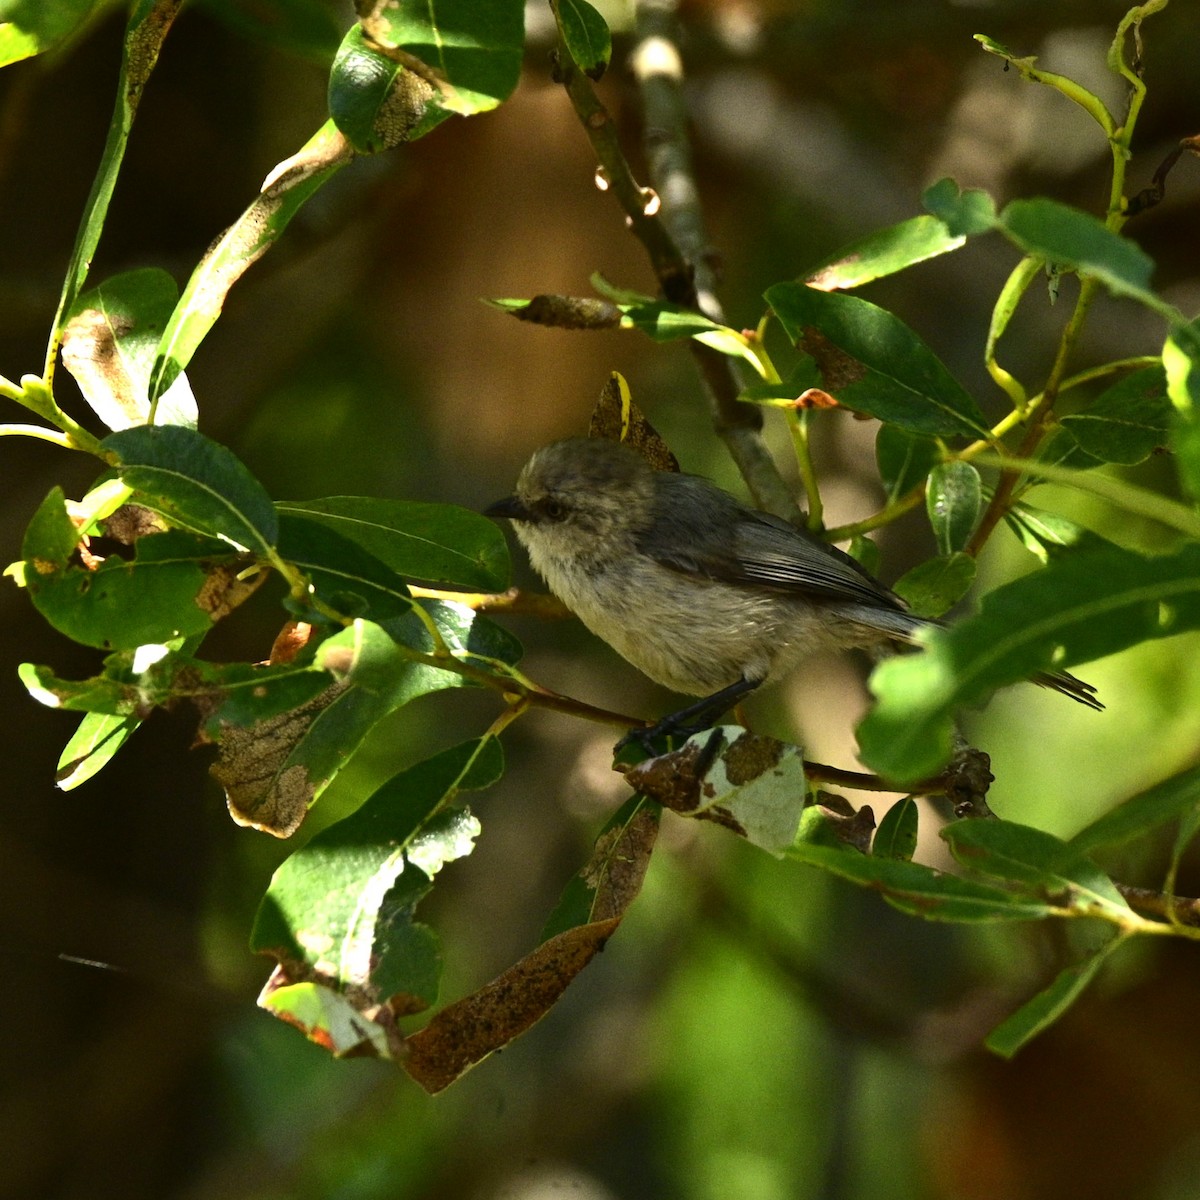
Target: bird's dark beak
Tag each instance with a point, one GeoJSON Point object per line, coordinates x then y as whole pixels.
{"type": "Point", "coordinates": [511, 507]}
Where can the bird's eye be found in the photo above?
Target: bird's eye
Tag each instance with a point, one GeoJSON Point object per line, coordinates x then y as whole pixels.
{"type": "Point", "coordinates": [554, 510]}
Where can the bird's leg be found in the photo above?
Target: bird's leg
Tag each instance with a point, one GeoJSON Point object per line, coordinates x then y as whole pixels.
{"type": "Point", "coordinates": [694, 719]}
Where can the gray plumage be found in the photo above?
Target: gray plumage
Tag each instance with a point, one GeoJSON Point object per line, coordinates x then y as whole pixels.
{"type": "Point", "coordinates": [697, 590]}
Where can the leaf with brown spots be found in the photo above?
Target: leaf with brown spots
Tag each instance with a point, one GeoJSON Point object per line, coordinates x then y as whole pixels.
{"type": "Point", "coordinates": [753, 785]}
{"type": "Point", "coordinates": [109, 344]}
{"type": "Point", "coordinates": [618, 419]}
{"type": "Point", "coordinates": [871, 362]}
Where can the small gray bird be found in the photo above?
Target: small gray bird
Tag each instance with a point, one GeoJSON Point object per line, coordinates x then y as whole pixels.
{"type": "Point", "coordinates": [700, 592]}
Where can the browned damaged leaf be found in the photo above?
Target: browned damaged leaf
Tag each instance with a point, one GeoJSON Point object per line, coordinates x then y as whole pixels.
{"type": "Point", "coordinates": [838, 369]}
{"type": "Point", "coordinates": [816, 398]}
{"type": "Point", "coordinates": [466, 1032]}
{"type": "Point", "coordinates": [290, 640]}
{"type": "Point", "coordinates": [261, 791]}
{"type": "Point", "coordinates": [618, 865]}
{"type": "Point", "coordinates": [90, 353]}
{"type": "Point", "coordinates": [617, 419]}
{"type": "Point", "coordinates": [224, 588]}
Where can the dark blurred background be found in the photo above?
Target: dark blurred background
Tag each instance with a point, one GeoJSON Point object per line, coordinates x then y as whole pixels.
{"type": "Point", "coordinates": [755, 1031]}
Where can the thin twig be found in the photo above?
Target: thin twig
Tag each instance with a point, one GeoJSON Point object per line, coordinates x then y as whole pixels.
{"type": "Point", "coordinates": [737, 424]}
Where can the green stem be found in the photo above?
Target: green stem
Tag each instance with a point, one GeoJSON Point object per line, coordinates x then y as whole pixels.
{"type": "Point", "coordinates": [798, 427]}
{"type": "Point", "coordinates": [56, 436]}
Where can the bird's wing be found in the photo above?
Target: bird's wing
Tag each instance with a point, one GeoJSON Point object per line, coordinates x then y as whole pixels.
{"type": "Point", "coordinates": [742, 545]}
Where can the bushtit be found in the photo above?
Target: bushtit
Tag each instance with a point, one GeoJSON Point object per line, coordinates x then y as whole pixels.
{"type": "Point", "coordinates": [705, 595]}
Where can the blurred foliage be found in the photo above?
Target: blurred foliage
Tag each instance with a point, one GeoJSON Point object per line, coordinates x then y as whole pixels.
{"type": "Point", "coordinates": [756, 1029]}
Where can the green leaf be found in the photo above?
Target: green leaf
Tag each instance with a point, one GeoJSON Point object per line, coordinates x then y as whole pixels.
{"type": "Point", "coordinates": [1049, 1004]}
{"type": "Point", "coordinates": [340, 911]}
{"type": "Point", "coordinates": [933, 587]}
{"type": "Point", "coordinates": [148, 25]}
{"type": "Point", "coordinates": [29, 27]}
{"type": "Point", "coordinates": [896, 836]}
{"type": "Point", "coordinates": [109, 345]}
{"type": "Point", "coordinates": [884, 252]}
{"type": "Point", "coordinates": [436, 542]}
{"type": "Point", "coordinates": [1069, 237]}
{"type": "Point", "coordinates": [96, 739]}
{"type": "Point", "coordinates": [904, 459]}
{"type": "Point", "coordinates": [873, 363]}
{"type": "Point", "coordinates": [920, 890]}
{"type": "Point", "coordinates": [587, 37]}
{"type": "Point", "coordinates": [666, 322]}
{"type": "Point", "coordinates": [1135, 817]}
{"type": "Point", "coordinates": [134, 683]}
{"type": "Point", "coordinates": [1181, 361]}
{"type": "Point", "coordinates": [472, 47]}
{"type": "Point", "coordinates": [196, 483]}
{"type": "Point", "coordinates": [1127, 422]}
{"type": "Point", "coordinates": [963, 213]}
{"type": "Point", "coordinates": [1080, 607]}
{"type": "Point", "coordinates": [375, 102]}
{"type": "Point", "coordinates": [174, 588]}
{"type": "Point", "coordinates": [287, 187]}
{"type": "Point", "coordinates": [865, 552]}
{"type": "Point", "coordinates": [343, 575]}
{"type": "Point", "coordinates": [952, 500]}
{"type": "Point", "coordinates": [273, 768]}
{"type": "Point", "coordinates": [1039, 862]}
{"type": "Point", "coordinates": [51, 536]}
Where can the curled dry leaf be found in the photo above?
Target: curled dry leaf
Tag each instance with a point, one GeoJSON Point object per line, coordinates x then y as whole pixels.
{"type": "Point", "coordinates": [618, 419]}
{"type": "Point", "coordinates": [466, 1032]}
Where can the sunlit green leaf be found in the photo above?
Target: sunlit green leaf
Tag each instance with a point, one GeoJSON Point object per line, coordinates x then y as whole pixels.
{"type": "Point", "coordinates": [96, 739]}
{"type": "Point", "coordinates": [343, 575]}
{"type": "Point", "coordinates": [375, 101]}
{"type": "Point", "coordinates": [288, 186]}
{"type": "Point", "coordinates": [963, 213]}
{"type": "Point", "coordinates": [196, 483]}
{"type": "Point", "coordinates": [1081, 606]}
{"type": "Point", "coordinates": [920, 890]}
{"type": "Point", "coordinates": [149, 23]}
{"type": "Point", "coordinates": [473, 47]}
{"type": "Point", "coordinates": [29, 27]}
{"type": "Point", "coordinates": [884, 252]}
{"type": "Point", "coordinates": [1038, 861]}
{"type": "Point", "coordinates": [340, 910]}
